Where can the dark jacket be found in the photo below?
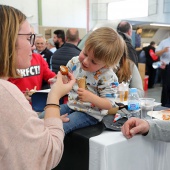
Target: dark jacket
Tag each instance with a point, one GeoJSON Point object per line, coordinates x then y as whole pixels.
{"type": "Point", "coordinates": [46, 54]}
{"type": "Point", "coordinates": [63, 55]}
{"type": "Point", "coordinates": [131, 50]}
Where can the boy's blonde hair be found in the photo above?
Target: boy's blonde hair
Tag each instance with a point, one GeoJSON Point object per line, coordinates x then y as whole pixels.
{"type": "Point", "coordinates": [10, 22]}
{"type": "Point", "coordinates": [106, 45]}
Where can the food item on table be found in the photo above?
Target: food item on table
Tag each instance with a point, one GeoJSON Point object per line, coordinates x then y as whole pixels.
{"type": "Point", "coordinates": [63, 70]}
{"type": "Point", "coordinates": [113, 110]}
{"type": "Point", "coordinates": [32, 91]}
{"type": "Point", "coordinates": [166, 114]}
{"type": "Point", "coordinates": [81, 81]}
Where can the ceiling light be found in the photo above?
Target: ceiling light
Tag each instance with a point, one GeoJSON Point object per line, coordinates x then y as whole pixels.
{"type": "Point", "coordinates": [161, 25]}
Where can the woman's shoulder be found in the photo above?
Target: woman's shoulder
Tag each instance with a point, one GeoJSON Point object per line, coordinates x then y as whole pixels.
{"type": "Point", "coordinates": [8, 89]}
{"type": "Point", "coordinates": [131, 64]}
{"type": "Point", "coordinates": [14, 98]}
{"type": "Point", "coordinates": [4, 84]}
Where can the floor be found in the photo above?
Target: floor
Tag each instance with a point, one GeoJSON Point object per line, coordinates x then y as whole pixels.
{"type": "Point", "coordinates": [154, 93]}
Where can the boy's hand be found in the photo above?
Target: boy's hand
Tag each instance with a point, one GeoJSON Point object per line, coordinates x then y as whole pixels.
{"type": "Point", "coordinates": [84, 95]}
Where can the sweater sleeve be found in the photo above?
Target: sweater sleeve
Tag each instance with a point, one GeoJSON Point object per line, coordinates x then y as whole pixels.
{"type": "Point", "coordinates": [159, 130]}
{"type": "Point", "coordinates": [136, 81]}
{"type": "Point", "coordinates": [27, 142]}
{"type": "Point", "coordinates": [152, 54]}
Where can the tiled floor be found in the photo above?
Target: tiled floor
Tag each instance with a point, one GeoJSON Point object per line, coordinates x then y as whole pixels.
{"type": "Point", "coordinates": [154, 93]}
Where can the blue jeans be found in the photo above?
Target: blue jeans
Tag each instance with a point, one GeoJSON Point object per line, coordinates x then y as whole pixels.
{"type": "Point", "coordinates": [77, 119]}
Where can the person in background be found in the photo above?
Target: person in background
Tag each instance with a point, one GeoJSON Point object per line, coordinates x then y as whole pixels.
{"type": "Point", "coordinates": [163, 51]}
{"type": "Point", "coordinates": [67, 51]}
{"type": "Point", "coordinates": [40, 44]}
{"type": "Point", "coordinates": [51, 45]}
{"type": "Point", "coordinates": [127, 72]}
{"type": "Point", "coordinates": [34, 76]}
{"type": "Point", "coordinates": [59, 38]}
{"type": "Point", "coordinates": [138, 45]}
{"type": "Point", "coordinates": [150, 59]}
{"type": "Point", "coordinates": [153, 129]}
{"type": "Point", "coordinates": [38, 143]}
{"type": "Point", "coordinates": [124, 28]}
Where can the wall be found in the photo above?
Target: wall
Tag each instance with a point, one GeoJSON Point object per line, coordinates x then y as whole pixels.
{"type": "Point", "coordinates": [74, 13]}
{"type": "Point", "coordinates": [29, 8]}
{"type": "Point", "coordinates": [65, 13]}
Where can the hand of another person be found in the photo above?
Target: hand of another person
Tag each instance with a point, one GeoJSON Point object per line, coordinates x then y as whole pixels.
{"type": "Point", "coordinates": [163, 65]}
{"type": "Point", "coordinates": [51, 81]}
{"type": "Point", "coordinates": [27, 95]}
{"type": "Point", "coordinates": [64, 118]}
{"type": "Point", "coordinates": [166, 49]}
{"type": "Point", "coordinates": [59, 88]}
{"type": "Point", "coordinates": [84, 95]}
{"type": "Point", "coordinates": [65, 78]}
{"type": "Point", "coordinates": [134, 126]}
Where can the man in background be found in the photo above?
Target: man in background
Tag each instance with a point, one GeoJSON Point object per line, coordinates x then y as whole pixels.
{"type": "Point", "coordinates": [163, 50]}
{"type": "Point", "coordinates": [125, 30]}
{"type": "Point", "coordinates": [51, 45]}
{"type": "Point", "coordinates": [138, 33]}
{"type": "Point", "coordinates": [67, 51]}
{"type": "Point", "coordinates": [59, 38]}
{"type": "Point", "coordinates": [40, 44]}
{"type": "Point", "coordinates": [150, 59]}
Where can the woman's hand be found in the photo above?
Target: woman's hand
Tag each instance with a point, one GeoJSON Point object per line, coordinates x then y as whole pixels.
{"type": "Point", "coordinates": [59, 88]}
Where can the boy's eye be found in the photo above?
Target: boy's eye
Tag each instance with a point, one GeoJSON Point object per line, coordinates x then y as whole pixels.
{"type": "Point", "coordinates": [85, 54]}
{"type": "Point", "coordinates": [94, 62]}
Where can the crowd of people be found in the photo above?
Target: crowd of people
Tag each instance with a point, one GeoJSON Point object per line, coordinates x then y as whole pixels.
{"type": "Point", "coordinates": [29, 61]}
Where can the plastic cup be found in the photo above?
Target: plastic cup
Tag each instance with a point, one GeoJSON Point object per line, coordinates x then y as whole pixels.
{"type": "Point", "coordinates": [146, 104]}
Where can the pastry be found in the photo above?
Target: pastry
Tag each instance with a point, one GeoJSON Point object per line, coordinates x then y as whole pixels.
{"type": "Point", "coordinates": [63, 70]}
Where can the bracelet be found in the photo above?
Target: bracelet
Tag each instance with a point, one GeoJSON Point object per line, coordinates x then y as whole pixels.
{"type": "Point", "coordinates": [51, 105]}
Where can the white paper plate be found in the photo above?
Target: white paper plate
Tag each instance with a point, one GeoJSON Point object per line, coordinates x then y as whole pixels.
{"type": "Point", "coordinates": [155, 114]}
{"type": "Point", "coordinates": [158, 114]}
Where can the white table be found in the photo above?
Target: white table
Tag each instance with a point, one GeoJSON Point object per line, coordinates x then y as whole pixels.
{"type": "Point", "coordinates": [112, 151]}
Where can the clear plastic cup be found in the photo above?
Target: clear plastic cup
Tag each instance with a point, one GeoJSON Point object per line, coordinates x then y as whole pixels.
{"type": "Point", "coordinates": [146, 105]}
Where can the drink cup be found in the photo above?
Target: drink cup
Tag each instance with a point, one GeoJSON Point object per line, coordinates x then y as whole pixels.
{"type": "Point", "coordinates": [126, 95]}
{"type": "Point", "coordinates": [121, 95]}
{"type": "Point", "coordinates": [146, 105]}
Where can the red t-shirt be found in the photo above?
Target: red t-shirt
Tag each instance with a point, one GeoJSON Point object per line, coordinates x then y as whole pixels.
{"type": "Point", "coordinates": [34, 75]}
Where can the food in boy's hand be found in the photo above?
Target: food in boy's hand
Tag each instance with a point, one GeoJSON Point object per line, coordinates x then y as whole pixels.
{"type": "Point", "coordinates": [63, 70]}
{"type": "Point", "coordinates": [81, 81]}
